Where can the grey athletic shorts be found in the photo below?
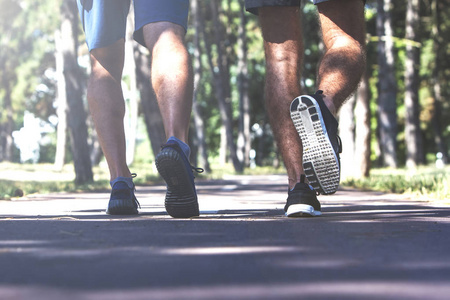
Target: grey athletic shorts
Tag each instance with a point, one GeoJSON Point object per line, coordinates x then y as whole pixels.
{"type": "Point", "coordinates": [104, 21]}
{"type": "Point", "coordinates": [253, 5]}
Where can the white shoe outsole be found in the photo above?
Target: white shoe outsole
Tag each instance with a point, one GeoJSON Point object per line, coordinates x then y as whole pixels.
{"type": "Point", "coordinates": [320, 163]}
{"type": "Point", "coordinates": [302, 210]}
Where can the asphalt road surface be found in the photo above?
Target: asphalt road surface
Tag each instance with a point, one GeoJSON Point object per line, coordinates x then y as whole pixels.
{"type": "Point", "coordinates": [365, 246]}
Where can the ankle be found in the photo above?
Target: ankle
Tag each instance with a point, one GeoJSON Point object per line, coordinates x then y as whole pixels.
{"type": "Point", "coordinates": [127, 180]}
{"type": "Point", "coordinates": [293, 181]}
{"type": "Point", "coordinates": [184, 147]}
{"type": "Point", "coordinates": [331, 107]}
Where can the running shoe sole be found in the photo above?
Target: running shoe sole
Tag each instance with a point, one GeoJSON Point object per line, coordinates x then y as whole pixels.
{"type": "Point", "coordinates": [181, 197]}
{"type": "Point", "coordinates": [121, 207]}
{"type": "Point", "coordinates": [302, 210]}
{"type": "Point", "coordinates": [320, 163]}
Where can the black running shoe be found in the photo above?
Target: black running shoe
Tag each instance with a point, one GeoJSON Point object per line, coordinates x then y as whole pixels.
{"type": "Point", "coordinates": [175, 169]}
{"type": "Point", "coordinates": [302, 201]}
{"type": "Point", "coordinates": [122, 200]}
{"type": "Point", "coordinates": [317, 128]}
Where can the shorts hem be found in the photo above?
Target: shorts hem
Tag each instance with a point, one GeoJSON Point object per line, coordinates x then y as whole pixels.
{"type": "Point", "coordinates": [102, 44]}
{"type": "Point", "coordinates": [139, 34]}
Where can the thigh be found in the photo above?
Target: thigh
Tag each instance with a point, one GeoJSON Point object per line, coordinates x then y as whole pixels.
{"type": "Point", "coordinates": [283, 43]}
{"type": "Point", "coordinates": [153, 11]}
{"type": "Point", "coordinates": [343, 18]}
{"type": "Point", "coordinates": [280, 24]}
{"type": "Point", "coordinates": [104, 21]}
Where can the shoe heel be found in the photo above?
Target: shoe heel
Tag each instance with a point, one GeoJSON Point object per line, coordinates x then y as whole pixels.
{"type": "Point", "coordinates": [120, 207]}
{"type": "Point", "coordinates": [188, 210]}
{"type": "Point", "coordinates": [181, 198]}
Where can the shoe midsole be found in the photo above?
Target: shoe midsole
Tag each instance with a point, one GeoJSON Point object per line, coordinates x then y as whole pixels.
{"type": "Point", "coordinates": [302, 208]}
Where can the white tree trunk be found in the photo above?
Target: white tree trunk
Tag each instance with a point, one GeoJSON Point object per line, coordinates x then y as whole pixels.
{"type": "Point", "coordinates": [131, 95]}
{"type": "Point", "coordinates": [61, 109]}
{"type": "Point", "coordinates": [347, 135]}
{"type": "Point", "coordinates": [362, 132]}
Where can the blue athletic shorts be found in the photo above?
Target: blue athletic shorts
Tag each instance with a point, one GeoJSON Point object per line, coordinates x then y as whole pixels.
{"type": "Point", "coordinates": [253, 5]}
{"type": "Point", "coordinates": [104, 21]}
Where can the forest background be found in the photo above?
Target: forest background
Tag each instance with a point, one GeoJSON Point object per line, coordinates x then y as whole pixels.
{"type": "Point", "coordinates": [397, 121]}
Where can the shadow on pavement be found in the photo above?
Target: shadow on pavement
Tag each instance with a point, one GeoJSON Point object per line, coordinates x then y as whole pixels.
{"type": "Point", "coordinates": [356, 250]}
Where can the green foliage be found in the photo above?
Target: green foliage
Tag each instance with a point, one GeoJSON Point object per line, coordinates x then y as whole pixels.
{"type": "Point", "coordinates": [29, 39]}
{"type": "Point", "coordinates": [26, 52]}
{"type": "Point", "coordinates": [425, 182]}
{"type": "Point", "coordinates": [427, 77]}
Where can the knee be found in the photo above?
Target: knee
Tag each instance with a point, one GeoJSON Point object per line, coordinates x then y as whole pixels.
{"type": "Point", "coordinates": [163, 35]}
{"type": "Point", "coordinates": [108, 61]}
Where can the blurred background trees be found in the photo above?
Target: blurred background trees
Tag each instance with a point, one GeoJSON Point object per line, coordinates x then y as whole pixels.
{"type": "Point", "coordinates": [398, 117]}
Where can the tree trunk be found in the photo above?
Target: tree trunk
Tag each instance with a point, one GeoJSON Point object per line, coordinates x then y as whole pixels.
{"type": "Point", "coordinates": [221, 85]}
{"type": "Point", "coordinates": [243, 142]}
{"type": "Point", "coordinates": [76, 118]}
{"type": "Point", "coordinates": [7, 142]}
{"type": "Point", "coordinates": [131, 97]}
{"type": "Point", "coordinates": [198, 120]}
{"type": "Point", "coordinates": [362, 134]}
{"type": "Point", "coordinates": [2, 141]}
{"type": "Point", "coordinates": [7, 127]}
{"type": "Point", "coordinates": [61, 100]}
{"type": "Point", "coordinates": [387, 85]}
{"type": "Point", "coordinates": [96, 149]}
{"type": "Point", "coordinates": [436, 90]}
{"type": "Point", "coordinates": [347, 135]}
{"type": "Point", "coordinates": [413, 134]}
{"type": "Point", "coordinates": [149, 105]}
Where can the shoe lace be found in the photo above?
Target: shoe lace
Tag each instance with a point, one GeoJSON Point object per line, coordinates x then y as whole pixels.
{"type": "Point", "coordinates": [339, 144]}
{"type": "Point", "coordinates": [172, 144]}
{"type": "Point", "coordinates": [134, 175]}
{"type": "Point", "coordinates": [198, 170]}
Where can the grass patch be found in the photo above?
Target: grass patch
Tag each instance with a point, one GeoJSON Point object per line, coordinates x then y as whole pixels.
{"type": "Point", "coordinates": [25, 179]}
{"type": "Point", "coordinates": [10, 189]}
{"type": "Point", "coordinates": [427, 182]}
{"type": "Point", "coordinates": [219, 171]}
{"type": "Point", "coordinates": [18, 180]}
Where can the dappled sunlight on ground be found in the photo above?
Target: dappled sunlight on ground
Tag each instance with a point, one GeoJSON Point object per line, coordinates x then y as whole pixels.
{"type": "Point", "coordinates": [364, 246]}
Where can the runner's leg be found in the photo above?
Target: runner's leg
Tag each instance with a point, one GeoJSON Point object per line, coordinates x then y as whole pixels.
{"type": "Point", "coordinates": [107, 105]}
{"type": "Point", "coordinates": [343, 31]}
{"type": "Point", "coordinates": [283, 49]}
{"type": "Point", "coordinates": [171, 76]}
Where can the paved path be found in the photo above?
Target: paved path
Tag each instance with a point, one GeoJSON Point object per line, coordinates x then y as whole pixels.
{"type": "Point", "coordinates": [365, 246]}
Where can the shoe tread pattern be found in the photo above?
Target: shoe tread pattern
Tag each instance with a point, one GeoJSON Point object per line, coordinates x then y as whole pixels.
{"type": "Point", "coordinates": [125, 205]}
{"type": "Point", "coordinates": [320, 163]}
{"type": "Point", "coordinates": [181, 197]}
